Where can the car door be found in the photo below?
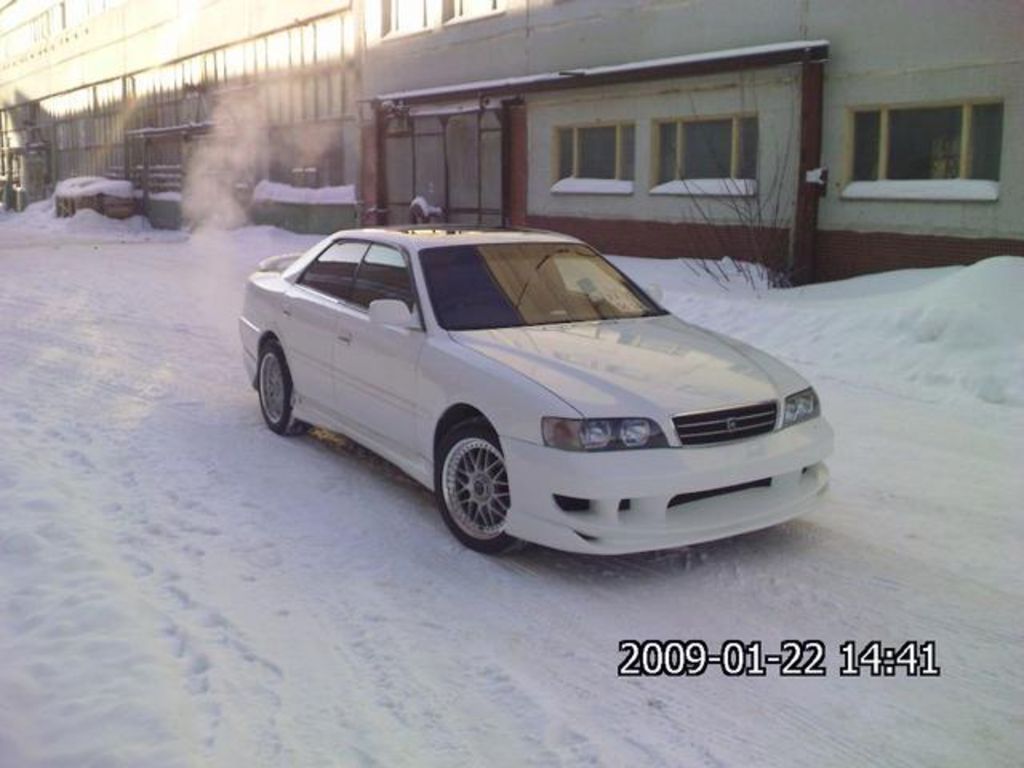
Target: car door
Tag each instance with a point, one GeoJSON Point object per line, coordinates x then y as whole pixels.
{"type": "Point", "coordinates": [377, 364]}
{"type": "Point", "coordinates": [310, 324]}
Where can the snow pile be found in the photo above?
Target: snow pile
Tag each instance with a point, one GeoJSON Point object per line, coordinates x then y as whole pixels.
{"type": "Point", "coordinates": [952, 331]}
{"type": "Point", "coordinates": [181, 587]}
{"type": "Point", "coordinates": [708, 187]}
{"type": "Point", "coordinates": [932, 189]}
{"type": "Point", "coordinates": [581, 186]}
{"type": "Point", "coordinates": [274, 192]}
{"type": "Point", "coordinates": [172, 196]}
{"type": "Point", "coordinates": [420, 209]}
{"type": "Point", "coordinates": [39, 220]}
{"type": "Point", "coordinates": [89, 186]}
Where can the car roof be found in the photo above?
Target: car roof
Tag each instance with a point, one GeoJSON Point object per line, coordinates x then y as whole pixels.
{"type": "Point", "coordinates": [417, 237]}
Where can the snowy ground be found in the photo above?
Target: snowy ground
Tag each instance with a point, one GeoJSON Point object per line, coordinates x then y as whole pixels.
{"type": "Point", "coordinates": [180, 587]}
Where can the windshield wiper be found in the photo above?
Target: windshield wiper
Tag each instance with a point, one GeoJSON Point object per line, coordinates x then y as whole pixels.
{"type": "Point", "coordinates": [536, 269]}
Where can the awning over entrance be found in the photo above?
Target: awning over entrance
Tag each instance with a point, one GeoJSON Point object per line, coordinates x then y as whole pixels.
{"type": "Point", "coordinates": [688, 65]}
{"type": "Point", "coordinates": [464, 146]}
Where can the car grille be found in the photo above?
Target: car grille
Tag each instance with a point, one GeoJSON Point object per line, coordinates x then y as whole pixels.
{"type": "Point", "coordinates": [725, 425]}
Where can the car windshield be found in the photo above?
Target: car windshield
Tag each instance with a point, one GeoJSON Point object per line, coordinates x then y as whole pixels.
{"type": "Point", "coordinates": [504, 285]}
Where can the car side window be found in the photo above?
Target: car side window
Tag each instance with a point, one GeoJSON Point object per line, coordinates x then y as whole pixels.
{"type": "Point", "coordinates": [333, 270]}
{"type": "Point", "coordinates": [383, 275]}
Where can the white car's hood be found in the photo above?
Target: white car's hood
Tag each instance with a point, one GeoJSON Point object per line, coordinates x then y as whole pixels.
{"type": "Point", "coordinates": [652, 367]}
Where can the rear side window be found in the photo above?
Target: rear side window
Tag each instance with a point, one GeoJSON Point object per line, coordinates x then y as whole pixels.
{"type": "Point", "coordinates": [334, 270]}
{"type": "Point", "coordinates": [383, 275]}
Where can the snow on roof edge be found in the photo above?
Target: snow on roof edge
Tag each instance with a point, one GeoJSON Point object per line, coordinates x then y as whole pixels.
{"type": "Point", "coordinates": [608, 69]}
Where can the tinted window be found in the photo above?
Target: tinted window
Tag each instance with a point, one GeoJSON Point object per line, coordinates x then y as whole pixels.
{"type": "Point", "coordinates": [333, 270]}
{"type": "Point", "coordinates": [383, 275]}
{"type": "Point", "coordinates": [505, 285]}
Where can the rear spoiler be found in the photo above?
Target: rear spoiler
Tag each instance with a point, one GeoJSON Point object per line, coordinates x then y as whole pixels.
{"type": "Point", "coordinates": [277, 263]}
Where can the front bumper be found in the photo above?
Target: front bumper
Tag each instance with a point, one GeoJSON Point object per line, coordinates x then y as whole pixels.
{"type": "Point", "coordinates": [629, 492]}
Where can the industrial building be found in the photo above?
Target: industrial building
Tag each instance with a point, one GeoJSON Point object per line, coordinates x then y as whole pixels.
{"type": "Point", "coordinates": [824, 137]}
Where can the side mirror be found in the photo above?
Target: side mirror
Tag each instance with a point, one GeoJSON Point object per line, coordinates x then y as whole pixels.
{"type": "Point", "coordinates": [392, 312]}
{"type": "Point", "coordinates": [655, 292]}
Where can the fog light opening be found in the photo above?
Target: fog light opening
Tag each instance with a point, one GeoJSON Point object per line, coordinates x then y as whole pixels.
{"type": "Point", "coordinates": [572, 503]}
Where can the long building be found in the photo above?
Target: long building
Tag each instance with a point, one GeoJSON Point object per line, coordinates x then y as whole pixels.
{"type": "Point", "coordinates": [825, 137]}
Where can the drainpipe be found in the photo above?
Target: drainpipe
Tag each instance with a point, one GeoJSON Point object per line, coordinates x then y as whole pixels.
{"type": "Point", "coordinates": [373, 178]}
{"type": "Point", "coordinates": [812, 177]}
{"type": "Point", "coordinates": [514, 164]}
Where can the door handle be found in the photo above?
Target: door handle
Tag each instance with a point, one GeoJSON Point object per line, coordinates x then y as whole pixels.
{"type": "Point", "coordinates": [345, 338]}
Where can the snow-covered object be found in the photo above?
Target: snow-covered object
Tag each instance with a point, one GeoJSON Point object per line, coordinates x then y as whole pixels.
{"type": "Point", "coordinates": [968, 190]}
{"type": "Point", "coordinates": [89, 186]}
{"type": "Point", "coordinates": [275, 192]}
{"type": "Point", "coordinates": [422, 211]}
{"type": "Point", "coordinates": [580, 186]}
{"type": "Point", "coordinates": [172, 197]}
{"type": "Point", "coordinates": [708, 187]}
{"type": "Point", "coordinates": [38, 220]}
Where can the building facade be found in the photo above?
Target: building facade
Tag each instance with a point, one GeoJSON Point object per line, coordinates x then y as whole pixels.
{"type": "Point", "coordinates": [824, 137]}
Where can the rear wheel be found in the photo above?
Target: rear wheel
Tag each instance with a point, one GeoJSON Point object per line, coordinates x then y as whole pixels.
{"type": "Point", "coordinates": [274, 383]}
{"type": "Point", "coordinates": [472, 489]}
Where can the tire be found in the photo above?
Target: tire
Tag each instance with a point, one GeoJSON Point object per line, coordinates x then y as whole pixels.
{"type": "Point", "coordinates": [274, 384]}
{"type": "Point", "coordinates": [474, 506]}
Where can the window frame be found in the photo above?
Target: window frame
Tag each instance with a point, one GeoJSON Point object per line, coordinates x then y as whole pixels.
{"type": "Point", "coordinates": [735, 144]}
{"type": "Point", "coordinates": [575, 128]}
{"type": "Point", "coordinates": [347, 303]}
{"type": "Point", "coordinates": [451, 15]}
{"type": "Point", "coordinates": [389, 19]}
{"type": "Point", "coordinates": [299, 278]}
{"type": "Point", "coordinates": [408, 270]}
{"type": "Point", "coordinates": [967, 107]}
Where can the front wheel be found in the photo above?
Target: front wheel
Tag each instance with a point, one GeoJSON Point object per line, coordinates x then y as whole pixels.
{"type": "Point", "coordinates": [472, 489]}
{"type": "Point", "coordinates": [274, 382]}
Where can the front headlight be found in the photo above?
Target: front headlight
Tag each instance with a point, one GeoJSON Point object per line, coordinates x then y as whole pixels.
{"type": "Point", "coordinates": [800, 407]}
{"type": "Point", "coordinates": [601, 434]}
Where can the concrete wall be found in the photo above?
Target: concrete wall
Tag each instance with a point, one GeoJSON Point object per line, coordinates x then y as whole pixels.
{"type": "Point", "coordinates": [532, 36]}
{"type": "Point", "coordinates": [773, 95]}
{"type": "Point", "coordinates": [883, 52]}
{"type": "Point", "coordinates": [140, 34]}
{"type": "Point", "coordinates": [921, 52]}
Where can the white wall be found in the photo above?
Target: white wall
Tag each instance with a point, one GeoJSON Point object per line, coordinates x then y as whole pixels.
{"type": "Point", "coordinates": [144, 33]}
{"type": "Point", "coordinates": [772, 95]}
{"type": "Point", "coordinates": [920, 52]}
{"type": "Point", "coordinates": [882, 52]}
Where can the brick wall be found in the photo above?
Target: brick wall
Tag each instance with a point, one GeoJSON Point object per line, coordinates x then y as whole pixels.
{"type": "Point", "coordinates": [840, 254]}
{"type": "Point", "coordinates": [659, 239]}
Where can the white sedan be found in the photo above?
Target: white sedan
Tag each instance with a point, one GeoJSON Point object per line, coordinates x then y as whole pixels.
{"type": "Point", "coordinates": [534, 388]}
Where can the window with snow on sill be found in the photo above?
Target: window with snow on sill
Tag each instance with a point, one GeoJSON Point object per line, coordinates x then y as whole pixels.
{"type": "Point", "coordinates": [955, 190]}
{"type": "Point", "coordinates": [578, 186]}
{"type": "Point", "coordinates": [708, 188]}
